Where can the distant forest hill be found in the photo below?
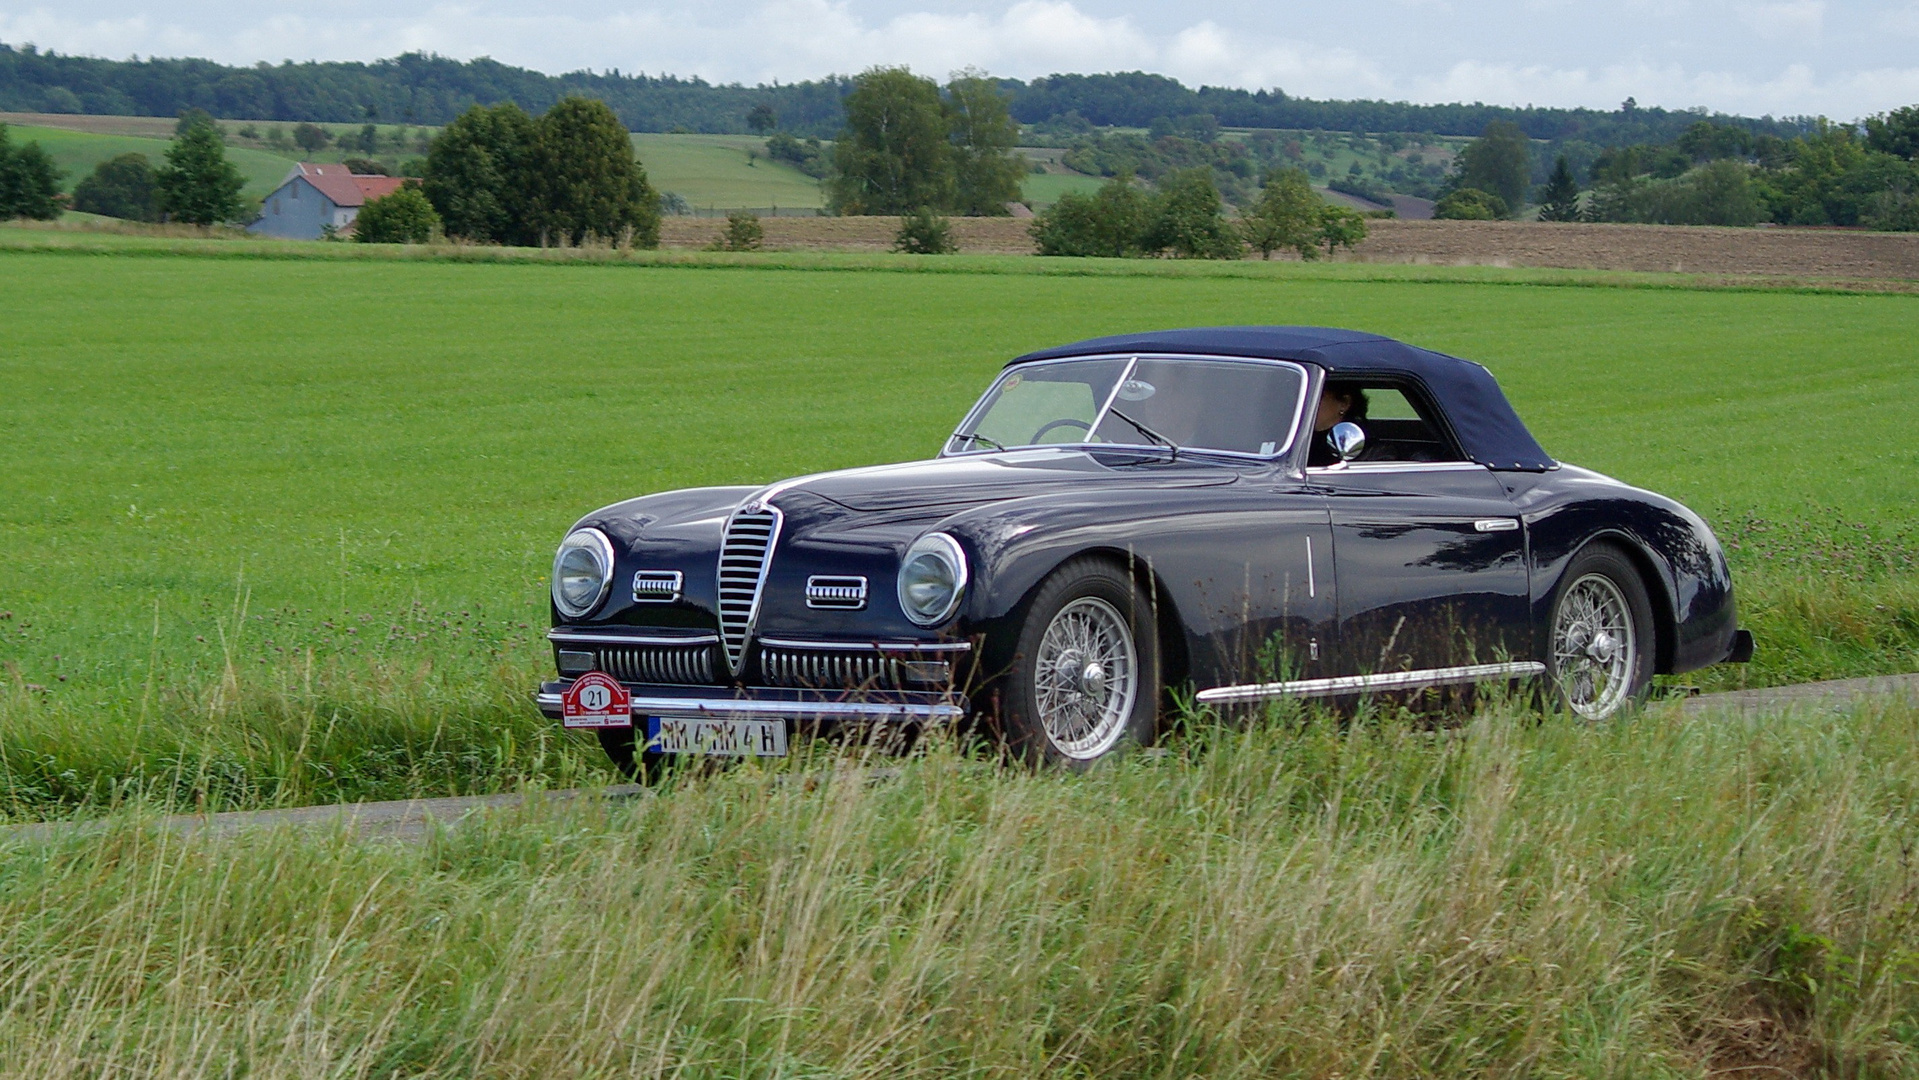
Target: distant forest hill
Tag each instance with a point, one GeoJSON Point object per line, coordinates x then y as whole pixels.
{"type": "Point", "coordinates": [425, 89]}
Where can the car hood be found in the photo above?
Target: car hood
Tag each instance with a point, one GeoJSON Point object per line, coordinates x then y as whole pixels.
{"type": "Point", "coordinates": [974, 479]}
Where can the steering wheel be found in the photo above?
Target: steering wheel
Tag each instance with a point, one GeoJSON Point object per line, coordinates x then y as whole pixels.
{"type": "Point", "coordinates": [1064, 421]}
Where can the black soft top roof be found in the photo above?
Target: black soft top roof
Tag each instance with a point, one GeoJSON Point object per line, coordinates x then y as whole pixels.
{"type": "Point", "coordinates": [1488, 429]}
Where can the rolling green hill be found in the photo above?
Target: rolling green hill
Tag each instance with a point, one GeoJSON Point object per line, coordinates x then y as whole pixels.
{"type": "Point", "coordinates": [77, 152]}
{"type": "Point", "coordinates": [721, 172]}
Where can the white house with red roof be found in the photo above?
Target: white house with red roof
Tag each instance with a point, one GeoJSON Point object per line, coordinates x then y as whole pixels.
{"type": "Point", "coordinates": [314, 196]}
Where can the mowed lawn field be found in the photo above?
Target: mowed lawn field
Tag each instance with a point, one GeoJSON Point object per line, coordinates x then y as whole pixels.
{"type": "Point", "coordinates": [366, 436]}
{"type": "Point", "coordinates": [277, 530]}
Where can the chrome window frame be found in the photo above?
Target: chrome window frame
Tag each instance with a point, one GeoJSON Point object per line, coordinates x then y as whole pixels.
{"type": "Point", "coordinates": [1281, 452]}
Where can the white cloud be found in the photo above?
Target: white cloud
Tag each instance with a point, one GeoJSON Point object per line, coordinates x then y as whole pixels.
{"type": "Point", "coordinates": [1794, 90]}
{"type": "Point", "coordinates": [1787, 20]}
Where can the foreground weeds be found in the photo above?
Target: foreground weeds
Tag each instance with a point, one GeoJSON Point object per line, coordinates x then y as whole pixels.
{"type": "Point", "coordinates": [302, 733]}
{"type": "Point", "coordinates": [1664, 897]}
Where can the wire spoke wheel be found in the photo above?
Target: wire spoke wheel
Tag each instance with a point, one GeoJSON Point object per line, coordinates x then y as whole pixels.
{"type": "Point", "coordinates": [1595, 647]}
{"type": "Point", "coordinates": [1086, 678]}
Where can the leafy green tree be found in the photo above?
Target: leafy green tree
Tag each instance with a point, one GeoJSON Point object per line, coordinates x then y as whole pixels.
{"type": "Point", "coordinates": [1829, 176]}
{"type": "Point", "coordinates": [1111, 222]}
{"type": "Point", "coordinates": [1188, 219]}
{"type": "Point", "coordinates": [743, 232]}
{"type": "Point", "coordinates": [311, 138]}
{"type": "Point", "coordinates": [1469, 204]}
{"type": "Point", "coordinates": [987, 173]}
{"type": "Point", "coordinates": [1896, 209]}
{"type": "Point", "coordinates": [584, 180]}
{"type": "Point", "coordinates": [399, 217]}
{"type": "Point", "coordinates": [475, 174]}
{"type": "Point", "coordinates": [761, 119]}
{"type": "Point", "coordinates": [369, 141]}
{"type": "Point", "coordinates": [29, 182]}
{"type": "Point", "coordinates": [1895, 133]}
{"type": "Point", "coordinates": [1499, 162]}
{"type": "Point", "coordinates": [923, 232]}
{"type": "Point", "coordinates": [1559, 200]}
{"type": "Point", "coordinates": [192, 117]}
{"type": "Point", "coordinates": [198, 185]}
{"type": "Point", "coordinates": [120, 187]}
{"type": "Point", "coordinates": [1285, 217]}
{"type": "Point", "coordinates": [1340, 227]}
{"type": "Point", "coordinates": [893, 156]}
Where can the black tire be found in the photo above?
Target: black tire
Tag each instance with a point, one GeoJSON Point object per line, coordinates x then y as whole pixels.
{"type": "Point", "coordinates": [1600, 594]}
{"type": "Point", "coordinates": [1098, 619]}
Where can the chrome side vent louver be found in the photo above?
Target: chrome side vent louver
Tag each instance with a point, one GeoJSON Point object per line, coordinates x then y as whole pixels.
{"type": "Point", "coordinates": [751, 534]}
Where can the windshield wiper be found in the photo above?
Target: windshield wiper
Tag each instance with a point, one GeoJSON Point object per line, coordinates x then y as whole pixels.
{"type": "Point", "coordinates": [974, 436]}
{"type": "Point", "coordinates": [1148, 432]}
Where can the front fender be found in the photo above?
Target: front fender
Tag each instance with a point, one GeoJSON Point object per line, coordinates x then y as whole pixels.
{"type": "Point", "coordinates": [1684, 568]}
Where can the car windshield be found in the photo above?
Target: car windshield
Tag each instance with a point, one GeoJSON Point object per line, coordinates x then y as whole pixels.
{"type": "Point", "coordinates": [1238, 406]}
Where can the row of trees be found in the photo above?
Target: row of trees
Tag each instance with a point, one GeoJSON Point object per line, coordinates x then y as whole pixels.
{"type": "Point", "coordinates": [1712, 174]}
{"type": "Point", "coordinates": [425, 89]}
{"type": "Point", "coordinates": [906, 146]}
{"type": "Point", "coordinates": [1185, 218]}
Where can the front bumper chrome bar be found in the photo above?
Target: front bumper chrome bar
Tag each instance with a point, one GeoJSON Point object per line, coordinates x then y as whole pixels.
{"type": "Point", "coordinates": [766, 703]}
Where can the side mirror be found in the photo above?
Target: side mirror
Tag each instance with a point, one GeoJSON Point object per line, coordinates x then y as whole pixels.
{"type": "Point", "coordinates": [1348, 440]}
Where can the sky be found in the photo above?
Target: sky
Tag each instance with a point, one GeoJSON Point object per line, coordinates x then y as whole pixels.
{"type": "Point", "coordinates": [1752, 57]}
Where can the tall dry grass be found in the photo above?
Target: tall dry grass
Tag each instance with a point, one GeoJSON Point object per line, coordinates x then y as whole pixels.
{"type": "Point", "coordinates": [1660, 897]}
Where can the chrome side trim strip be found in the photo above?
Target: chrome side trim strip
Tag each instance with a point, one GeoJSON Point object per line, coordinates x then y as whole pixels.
{"type": "Point", "coordinates": [867, 711]}
{"type": "Point", "coordinates": [1359, 684]}
{"type": "Point", "coordinates": [1491, 525]}
{"type": "Point", "coordinates": [870, 646]}
{"type": "Point", "coordinates": [1395, 467]}
{"type": "Point", "coordinates": [573, 637]}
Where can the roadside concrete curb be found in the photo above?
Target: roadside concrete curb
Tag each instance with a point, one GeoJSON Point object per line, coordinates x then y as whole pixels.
{"type": "Point", "coordinates": [1835, 694]}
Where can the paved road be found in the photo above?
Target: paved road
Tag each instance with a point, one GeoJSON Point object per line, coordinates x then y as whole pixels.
{"type": "Point", "coordinates": [415, 819]}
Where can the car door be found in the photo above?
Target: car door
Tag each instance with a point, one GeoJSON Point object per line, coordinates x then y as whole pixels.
{"type": "Point", "coordinates": [1429, 555]}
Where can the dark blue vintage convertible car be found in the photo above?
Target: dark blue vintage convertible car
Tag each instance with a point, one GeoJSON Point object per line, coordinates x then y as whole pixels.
{"type": "Point", "coordinates": [1249, 512]}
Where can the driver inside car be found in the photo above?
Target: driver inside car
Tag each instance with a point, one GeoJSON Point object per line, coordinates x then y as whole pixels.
{"type": "Point", "coordinates": [1338, 402]}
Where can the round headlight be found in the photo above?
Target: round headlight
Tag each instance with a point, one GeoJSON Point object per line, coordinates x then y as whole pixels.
{"type": "Point", "coordinates": [582, 571]}
{"type": "Point", "coordinates": [932, 577]}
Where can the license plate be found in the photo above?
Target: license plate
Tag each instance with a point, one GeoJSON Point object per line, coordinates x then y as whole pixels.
{"type": "Point", "coordinates": [718, 736]}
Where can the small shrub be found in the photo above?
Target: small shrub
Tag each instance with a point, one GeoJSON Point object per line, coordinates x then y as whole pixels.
{"type": "Point", "coordinates": [1470, 204]}
{"type": "Point", "coordinates": [404, 217]}
{"type": "Point", "coordinates": [743, 232]}
{"type": "Point", "coordinates": [923, 233]}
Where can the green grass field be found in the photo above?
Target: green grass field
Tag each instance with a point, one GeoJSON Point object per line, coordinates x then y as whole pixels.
{"type": "Point", "coordinates": [77, 152]}
{"type": "Point", "coordinates": [277, 491]}
{"type": "Point", "coordinates": [717, 172]}
{"type": "Point", "coordinates": [275, 530]}
{"type": "Point", "coordinates": [1044, 189]}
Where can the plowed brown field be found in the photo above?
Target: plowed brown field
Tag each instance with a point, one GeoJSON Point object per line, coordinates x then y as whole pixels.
{"type": "Point", "coordinates": [1794, 253]}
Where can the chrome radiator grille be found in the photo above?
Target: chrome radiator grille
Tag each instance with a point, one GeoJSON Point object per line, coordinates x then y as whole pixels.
{"type": "Point", "coordinates": [815, 669]}
{"type": "Point", "coordinates": [750, 538]}
{"type": "Point", "coordinates": [687, 664]}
